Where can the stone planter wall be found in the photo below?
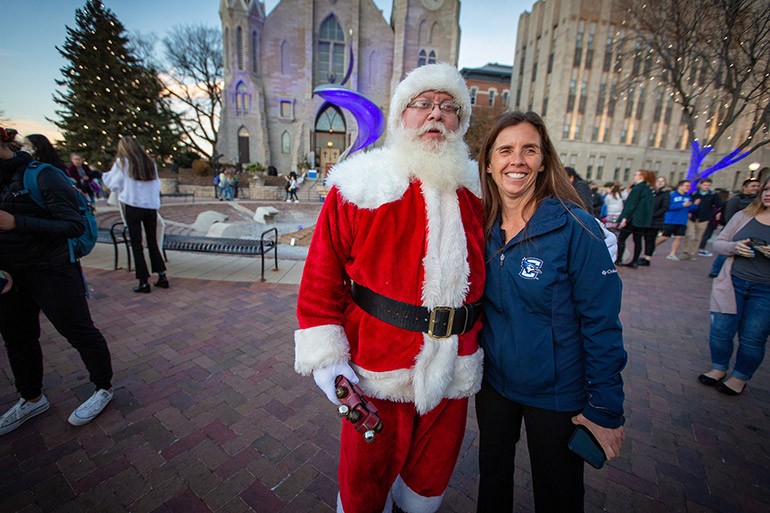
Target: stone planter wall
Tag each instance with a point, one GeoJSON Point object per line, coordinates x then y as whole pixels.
{"type": "Point", "coordinates": [169, 185]}
{"type": "Point", "coordinates": [259, 192]}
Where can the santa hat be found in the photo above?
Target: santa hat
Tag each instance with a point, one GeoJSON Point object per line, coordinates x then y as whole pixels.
{"type": "Point", "coordinates": [441, 77]}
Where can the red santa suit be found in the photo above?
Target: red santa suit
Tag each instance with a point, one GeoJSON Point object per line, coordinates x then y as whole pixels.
{"type": "Point", "coordinates": [380, 227]}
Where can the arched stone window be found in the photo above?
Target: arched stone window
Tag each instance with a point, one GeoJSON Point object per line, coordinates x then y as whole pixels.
{"type": "Point", "coordinates": [421, 60]}
{"type": "Point", "coordinates": [330, 60]}
{"type": "Point", "coordinates": [422, 32]}
{"type": "Point", "coordinates": [241, 98]}
{"type": "Point", "coordinates": [434, 33]}
{"type": "Point", "coordinates": [239, 47]}
{"type": "Point", "coordinates": [330, 120]}
{"type": "Point", "coordinates": [227, 47]}
{"type": "Point", "coordinates": [284, 57]}
{"type": "Point", "coordinates": [254, 53]}
{"type": "Point", "coordinates": [285, 142]}
{"type": "Point", "coordinates": [243, 146]}
{"type": "Point", "coordinates": [432, 57]}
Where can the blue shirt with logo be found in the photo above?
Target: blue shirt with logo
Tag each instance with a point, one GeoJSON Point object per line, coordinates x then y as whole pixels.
{"type": "Point", "coordinates": [551, 336]}
{"type": "Point", "coordinates": [677, 213]}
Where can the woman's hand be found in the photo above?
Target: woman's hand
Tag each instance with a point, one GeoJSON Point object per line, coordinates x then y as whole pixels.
{"type": "Point", "coordinates": [7, 221]}
{"type": "Point", "coordinates": [622, 224]}
{"type": "Point", "coordinates": [743, 249]}
{"type": "Point", "coordinates": [610, 439]}
{"type": "Point", "coordinates": [765, 250]}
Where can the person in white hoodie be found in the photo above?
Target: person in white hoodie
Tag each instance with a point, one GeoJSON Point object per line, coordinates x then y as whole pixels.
{"type": "Point", "coordinates": [135, 177]}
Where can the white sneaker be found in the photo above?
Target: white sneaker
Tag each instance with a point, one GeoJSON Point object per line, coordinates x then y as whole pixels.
{"type": "Point", "coordinates": [88, 411]}
{"type": "Point", "coordinates": [296, 201]}
{"type": "Point", "coordinates": [703, 252]}
{"type": "Point", "coordinates": [21, 412]}
{"type": "Point", "coordinates": [288, 201]}
{"type": "Point", "coordinates": [672, 257]}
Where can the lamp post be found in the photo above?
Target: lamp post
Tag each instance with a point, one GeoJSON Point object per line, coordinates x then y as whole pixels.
{"type": "Point", "coordinates": [753, 168]}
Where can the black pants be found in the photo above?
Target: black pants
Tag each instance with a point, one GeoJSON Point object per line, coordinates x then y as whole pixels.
{"type": "Point", "coordinates": [557, 472]}
{"type": "Point", "coordinates": [650, 235]}
{"type": "Point", "coordinates": [638, 234]}
{"type": "Point", "coordinates": [707, 235]}
{"type": "Point", "coordinates": [147, 217]}
{"type": "Point", "coordinates": [60, 293]}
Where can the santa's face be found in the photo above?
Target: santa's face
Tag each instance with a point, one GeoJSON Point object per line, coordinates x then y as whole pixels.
{"type": "Point", "coordinates": [430, 114]}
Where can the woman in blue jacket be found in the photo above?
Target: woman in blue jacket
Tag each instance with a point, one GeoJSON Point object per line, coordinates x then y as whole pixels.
{"type": "Point", "coordinates": [552, 339]}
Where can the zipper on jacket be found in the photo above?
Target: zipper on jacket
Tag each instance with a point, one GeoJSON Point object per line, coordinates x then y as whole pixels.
{"type": "Point", "coordinates": [502, 259]}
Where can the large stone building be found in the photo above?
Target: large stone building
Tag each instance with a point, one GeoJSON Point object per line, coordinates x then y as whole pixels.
{"type": "Point", "coordinates": [566, 69]}
{"type": "Point", "coordinates": [273, 63]}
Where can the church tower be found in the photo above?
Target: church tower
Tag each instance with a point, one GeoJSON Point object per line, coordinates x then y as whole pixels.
{"type": "Point", "coordinates": [425, 31]}
{"type": "Point", "coordinates": [242, 128]}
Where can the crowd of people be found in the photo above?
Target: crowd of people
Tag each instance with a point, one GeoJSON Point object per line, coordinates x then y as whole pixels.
{"type": "Point", "coordinates": [431, 279]}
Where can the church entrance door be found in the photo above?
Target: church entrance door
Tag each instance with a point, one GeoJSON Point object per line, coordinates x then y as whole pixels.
{"type": "Point", "coordinates": [329, 157]}
{"type": "Point", "coordinates": [243, 146]}
{"type": "Point", "coordinates": [330, 136]}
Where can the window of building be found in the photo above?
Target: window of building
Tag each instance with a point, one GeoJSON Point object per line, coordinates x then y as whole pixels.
{"type": "Point", "coordinates": [607, 126]}
{"type": "Point", "coordinates": [595, 134]}
{"type": "Point", "coordinates": [434, 33]}
{"type": "Point", "coordinates": [611, 102]}
{"type": "Point", "coordinates": [241, 99]}
{"type": "Point", "coordinates": [590, 48]}
{"type": "Point", "coordinates": [571, 97]}
{"type": "Point", "coordinates": [518, 97]}
{"type": "Point", "coordinates": [640, 104]}
{"type": "Point", "coordinates": [286, 108]}
{"type": "Point", "coordinates": [284, 57]}
{"type": "Point", "coordinates": [590, 168]}
{"type": "Point", "coordinates": [637, 66]}
{"type": "Point", "coordinates": [330, 120]}
{"type": "Point", "coordinates": [422, 32]}
{"type": "Point", "coordinates": [254, 53]}
{"type": "Point", "coordinates": [630, 103]}
{"type": "Point", "coordinates": [627, 170]}
{"type": "Point", "coordinates": [579, 44]}
{"type": "Point", "coordinates": [565, 131]}
{"type": "Point", "coordinates": [523, 59]}
{"type": "Point", "coordinates": [331, 52]}
{"type": "Point", "coordinates": [616, 174]}
{"type": "Point", "coordinates": [635, 136]}
{"type": "Point", "coordinates": [608, 49]}
{"type": "Point", "coordinates": [572, 160]}
{"type": "Point", "coordinates": [600, 168]}
{"type": "Point", "coordinates": [537, 58]}
{"type": "Point", "coordinates": [658, 107]}
{"type": "Point", "coordinates": [619, 52]}
{"type": "Point", "coordinates": [553, 49]}
{"type": "Point", "coordinates": [285, 142]}
{"type": "Point", "coordinates": [544, 112]}
{"type": "Point", "coordinates": [432, 57]}
{"type": "Point", "coordinates": [227, 48]}
{"type": "Point", "coordinates": [583, 97]}
{"type": "Point", "coordinates": [239, 47]}
{"type": "Point", "coordinates": [600, 98]}
{"type": "Point", "coordinates": [506, 94]}
{"type": "Point", "coordinates": [474, 91]}
{"type": "Point", "coordinates": [492, 97]}
{"type": "Point", "coordinates": [578, 125]}
{"type": "Point", "coordinates": [422, 59]}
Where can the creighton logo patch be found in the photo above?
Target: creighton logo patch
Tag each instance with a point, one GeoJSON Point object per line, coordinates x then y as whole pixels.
{"type": "Point", "coordinates": [530, 268]}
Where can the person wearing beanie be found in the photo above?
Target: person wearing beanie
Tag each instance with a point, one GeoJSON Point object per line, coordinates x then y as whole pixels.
{"type": "Point", "coordinates": [400, 231]}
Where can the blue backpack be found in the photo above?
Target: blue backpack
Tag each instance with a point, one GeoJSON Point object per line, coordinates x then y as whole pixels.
{"type": "Point", "coordinates": [79, 246]}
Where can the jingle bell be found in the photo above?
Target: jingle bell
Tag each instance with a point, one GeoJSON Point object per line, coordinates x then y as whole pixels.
{"type": "Point", "coordinates": [369, 436]}
{"type": "Point", "coordinates": [343, 410]}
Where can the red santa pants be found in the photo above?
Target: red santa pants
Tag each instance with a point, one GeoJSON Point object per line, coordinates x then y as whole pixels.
{"type": "Point", "coordinates": [419, 450]}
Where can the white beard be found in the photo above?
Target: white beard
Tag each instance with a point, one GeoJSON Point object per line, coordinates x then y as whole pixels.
{"type": "Point", "coordinates": [439, 165]}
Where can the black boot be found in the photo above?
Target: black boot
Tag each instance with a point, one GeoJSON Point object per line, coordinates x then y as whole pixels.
{"type": "Point", "coordinates": [162, 281]}
{"type": "Point", "coordinates": [143, 288]}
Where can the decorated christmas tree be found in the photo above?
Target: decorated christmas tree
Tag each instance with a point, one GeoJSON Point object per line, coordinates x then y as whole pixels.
{"type": "Point", "coordinates": [106, 93]}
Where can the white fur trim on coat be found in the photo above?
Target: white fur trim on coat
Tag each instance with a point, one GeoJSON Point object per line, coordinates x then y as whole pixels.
{"type": "Point", "coordinates": [411, 501]}
{"type": "Point", "coordinates": [319, 346]}
{"type": "Point", "coordinates": [464, 380]}
{"type": "Point", "coordinates": [441, 77]}
{"type": "Point", "coordinates": [372, 179]}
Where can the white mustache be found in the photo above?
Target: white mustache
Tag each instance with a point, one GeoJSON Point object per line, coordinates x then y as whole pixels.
{"type": "Point", "coordinates": [432, 125]}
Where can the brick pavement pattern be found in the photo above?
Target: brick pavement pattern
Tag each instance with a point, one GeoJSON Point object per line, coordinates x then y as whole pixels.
{"type": "Point", "coordinates": [208, 414]}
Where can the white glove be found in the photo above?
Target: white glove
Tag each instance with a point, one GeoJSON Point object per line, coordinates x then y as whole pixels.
{"type": "Point", "coordinates": [325, 376]}
{"type": "Point", "coordinates": [610, 240]}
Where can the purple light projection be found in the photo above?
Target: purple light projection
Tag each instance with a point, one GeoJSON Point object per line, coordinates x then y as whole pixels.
{"type": "Point", "coordinates": [699, 154]}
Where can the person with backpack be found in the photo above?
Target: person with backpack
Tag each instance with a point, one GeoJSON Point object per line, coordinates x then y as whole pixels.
{"type": "Point", "coordinates": [135, 176]}
{"type": "Point", "coordinates": [34, 249]}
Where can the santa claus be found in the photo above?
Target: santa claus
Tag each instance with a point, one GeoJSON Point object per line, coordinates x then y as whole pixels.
{"type": "Point", "coordinates": [389, 296]}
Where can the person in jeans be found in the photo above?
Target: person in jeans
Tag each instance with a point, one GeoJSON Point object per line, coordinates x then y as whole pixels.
{"type": "Point", "coordinates": [743, 199]}
{"type": "Point", "coordinates": [35, 253]}
{"type": "Point", "coordinates": [706, 205]}
{"type": "Point", "coordinates": [740, 297]}
{"type": "Point", "coordinates": [135, 176]}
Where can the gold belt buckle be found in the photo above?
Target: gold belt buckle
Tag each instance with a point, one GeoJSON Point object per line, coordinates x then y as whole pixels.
{"type": "Point", "coordinates": [432, 322]}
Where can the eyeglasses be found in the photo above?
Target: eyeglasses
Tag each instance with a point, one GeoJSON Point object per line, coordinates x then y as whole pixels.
{"type": "Point", "coordinates": [427, 106]}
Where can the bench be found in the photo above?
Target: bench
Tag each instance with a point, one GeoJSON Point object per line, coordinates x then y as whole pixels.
{"type": "Point", "coordinates": [184, 195]}
{"type": "Point", "coordinates": [247, 247]}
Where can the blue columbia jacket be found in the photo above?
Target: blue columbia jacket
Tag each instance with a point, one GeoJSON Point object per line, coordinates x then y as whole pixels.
{"type": "Point", "coordinates": [677, 212]}
{"type": "Point", "coordinates": [551, 336]}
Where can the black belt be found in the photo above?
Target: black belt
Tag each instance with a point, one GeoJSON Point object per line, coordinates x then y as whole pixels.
{"type": "Point", "coordinates": [439, 323]}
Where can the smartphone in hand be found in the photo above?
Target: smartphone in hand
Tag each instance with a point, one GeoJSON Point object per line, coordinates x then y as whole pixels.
{"type": "Point", "coordinates": [584, 444]}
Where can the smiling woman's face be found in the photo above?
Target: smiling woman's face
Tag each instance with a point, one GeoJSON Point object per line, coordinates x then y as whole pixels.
{"type": "Point", "coordinates": [515, 162]}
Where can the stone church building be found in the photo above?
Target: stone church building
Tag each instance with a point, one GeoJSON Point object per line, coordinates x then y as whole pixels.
{"type": "Point", "coordinates": [273, 62]}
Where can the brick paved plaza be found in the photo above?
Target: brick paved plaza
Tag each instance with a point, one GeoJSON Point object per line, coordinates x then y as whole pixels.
{"type": "Point", "coordinates": [209, 415]}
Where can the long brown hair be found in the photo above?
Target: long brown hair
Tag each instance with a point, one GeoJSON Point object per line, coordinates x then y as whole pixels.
{"type": "Point", "coordinates": [140, 165]}
{"type": "Point", "coordinates": [551, 182]}
{"type": "Point", "coordinates": [649, 177]}
{"type": "Point", "coordinates": [756, 207]}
